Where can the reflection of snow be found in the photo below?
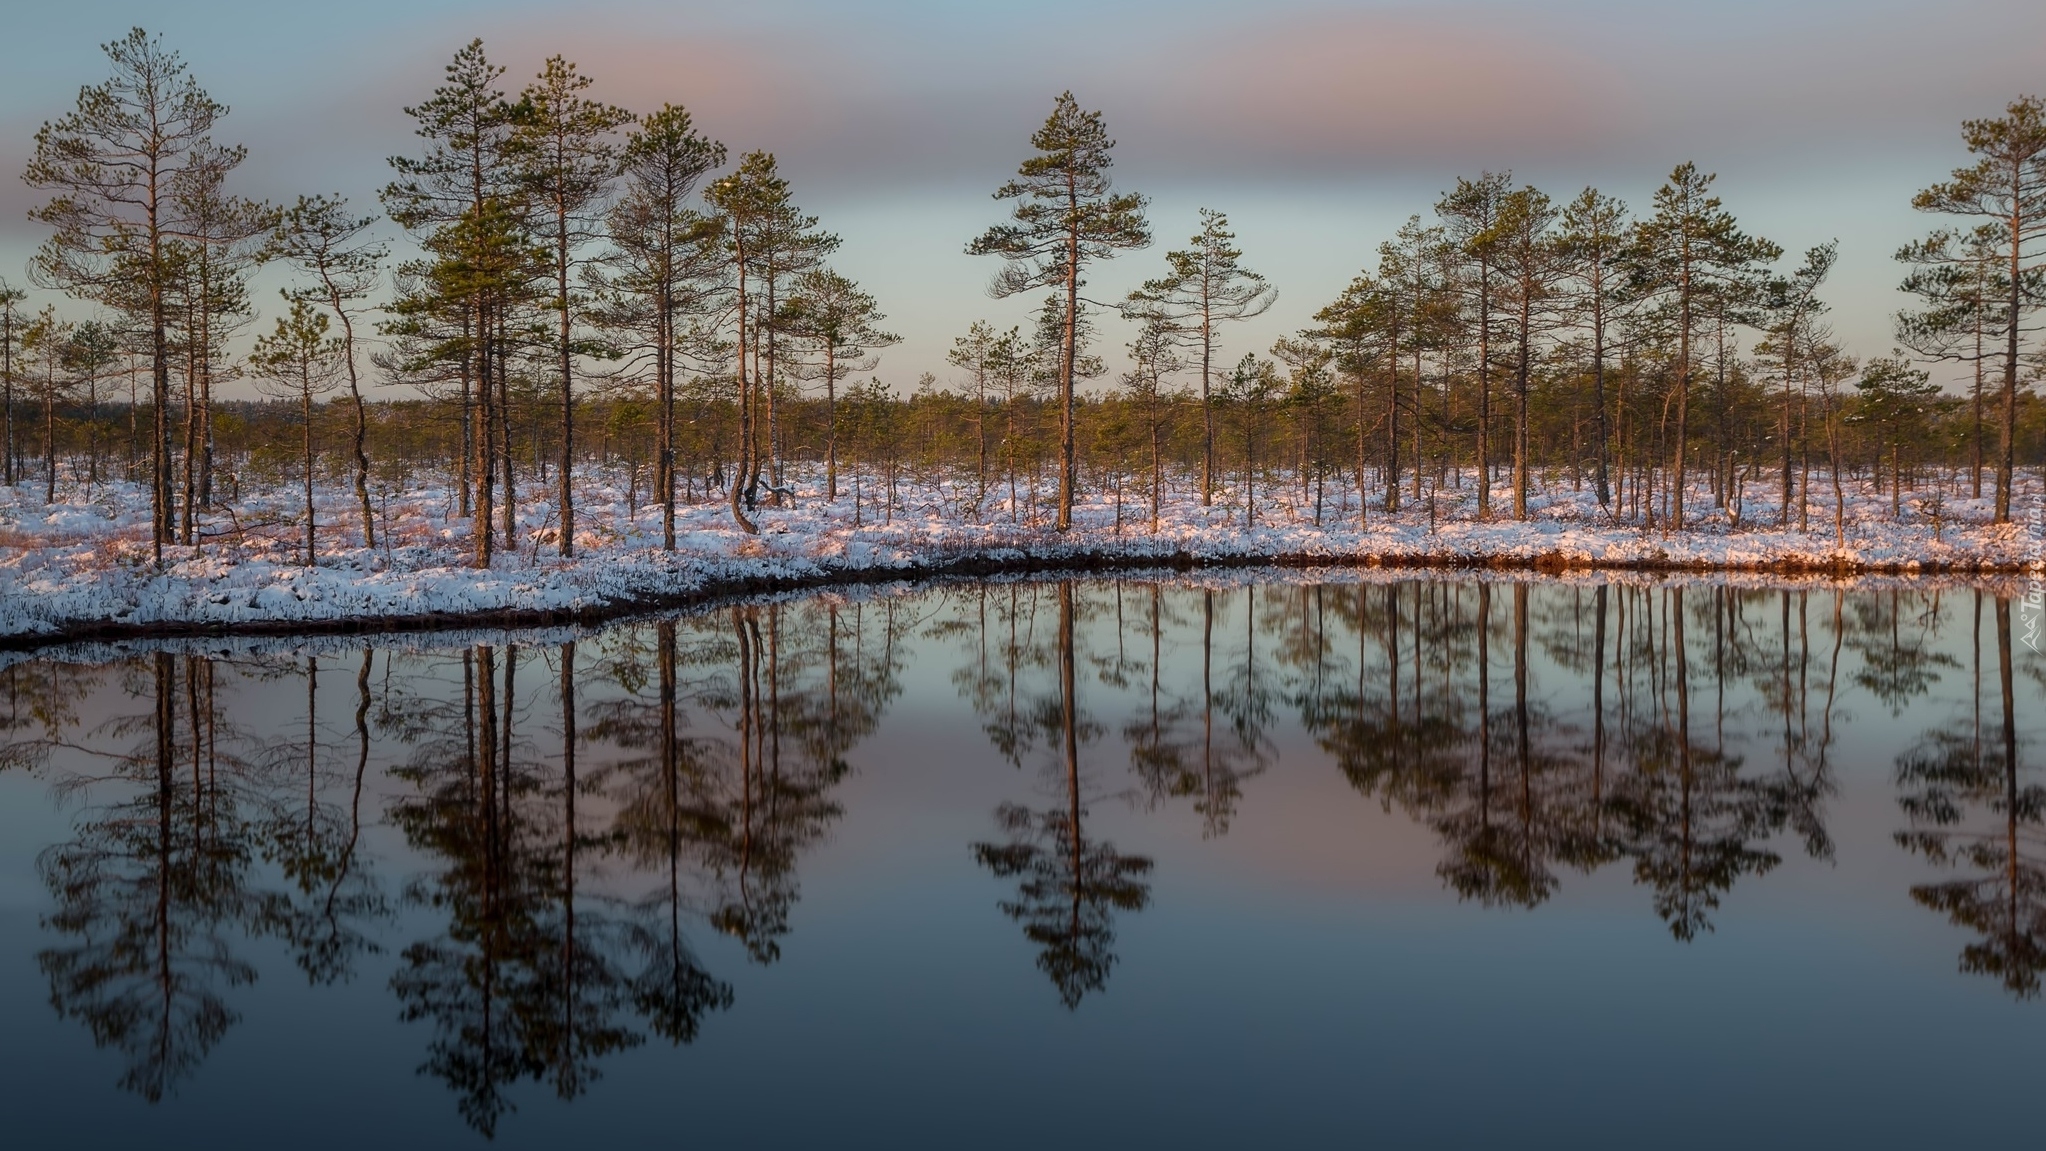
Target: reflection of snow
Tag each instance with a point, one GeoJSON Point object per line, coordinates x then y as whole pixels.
{"type": "Point", "coordinates": [78, 562]}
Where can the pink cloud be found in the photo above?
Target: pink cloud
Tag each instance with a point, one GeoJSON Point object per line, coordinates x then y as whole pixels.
{"type": "Point", "coordinates": [1349, 92]}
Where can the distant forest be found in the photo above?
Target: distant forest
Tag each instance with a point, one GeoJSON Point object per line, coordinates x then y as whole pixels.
{"type": "Point", "coordinates": [594, 290]}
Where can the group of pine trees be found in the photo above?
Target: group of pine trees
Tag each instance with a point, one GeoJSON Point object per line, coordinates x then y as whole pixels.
{"type": "Point", "coordinates": [580, 273]}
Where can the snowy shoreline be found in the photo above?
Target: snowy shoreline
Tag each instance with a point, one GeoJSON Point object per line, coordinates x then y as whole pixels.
{"type": "Point", "coordinates": [80, 570]}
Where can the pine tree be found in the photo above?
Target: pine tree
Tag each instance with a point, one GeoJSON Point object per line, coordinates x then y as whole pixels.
{"type": "Point", "coordinates": [1361, 333]}
{"type": "Point", "coordinates": [1793, 330]}
{"type": "Point", "coordinates": [1204, 286]}
{"type": "Point", "coordinates": [1065, 218]}
{"type": "Point", "coordinates": [1252, 384]}
{"type": "Point", "coordinates": [44, 343]}
{"type": "Point", "coordinates": [299, 361]}
{"type": "Point", "coordinates": [977, 353]}
{"type": "Point", "coordinates": [333, 250]}
{"type": "Point", "coordinates": [215, 250]}
{"type": "Point", "coordinates": [1531, 268]}
{"type": "Point", "coordinates": [1594, 236]}
{"type": "Point", "coordinates": [466, 185]}
{"type": "Point", "coordinates": [665, 268]}
{"type": "Point", "coordinates": [92, 348]}
{"type": "Point", "coordinates": [1470, 218]}
{"type": "Point", "coordinates": [2005, 188]}
{"type": "Point", "coordinates": [1959, 276]}
{"type": "Point", "coordinates": [766, 242]}
{"type": "Point", "coordinates": [1899, 401]}
{"type": "Point", "coordinates": [570, 163]}
{"type": "Point", "coordinates": [1375, 321]}
{"type": "Point", "coordinates": [841, 322]}
{"type": "Point", "coordinates": [10, 345]}
{"type": "Point", "coordinates": [110, 166]}
{"type": "Point", "coordinates": [1690, 248]}
{"type": "Point", "coordinates": [1154, 355]}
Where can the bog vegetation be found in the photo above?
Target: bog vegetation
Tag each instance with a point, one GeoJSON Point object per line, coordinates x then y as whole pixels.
{"type": "Point", "coordinates": [583, 287]}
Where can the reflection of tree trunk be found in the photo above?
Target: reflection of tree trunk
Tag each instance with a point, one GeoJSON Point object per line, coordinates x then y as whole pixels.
{"type": "Point", "coordinates": [1392, 663]}
{"type": "Point", "coordinates": [1719, 659]}
{"type": "Point", "coordinates": [774, 704]}
{"type": "Point", "coordinates": [1207, 684]}
{"type": "Point", "coordinates": [1832, 682]}
{"type": "Point", "coordinates": [831, 670]}
{"type": "Point", "coordinates": [504, 759]}
{"type": "Point", "coordinates": [1785, 627]}
{"type": "Point", "coordinates": [1484, 701]}
{"type": "Point", "coordinates": [1520, 705]}
{"type": "Point", "coordinates": [361, 770]}
{"type": "Point", "coordinates": [202, 796]}
{"type": "Point", "coordinates": [565, 1084]}
{"type": "Point", "coordinates": [1598, 683]}
{"type": "Point", "coordinates": [1675, 608]}
{"type": "Point", "coordinates": [746, 734]}
{"type": "Point", "coordinates": [312, 745]}
{"type": "Point", "coordinates": [483, 749]}
{"type": "Point", "coordinates": [1071, 735]}
{"type": "Point", "coordinates": [671, 783]}
{"type": "Point", "coordinates": [1975, 633]}
{"type": "Point", "coordinates": [1156, 650]}
{"type": "Point", "coordinates": [1249, 681]}
{"type": "Point", "coordinates": [166, 737]}
{"type": "Point", "coordinates": [2011, 800]}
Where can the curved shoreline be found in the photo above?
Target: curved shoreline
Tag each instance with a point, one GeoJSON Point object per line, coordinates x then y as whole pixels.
{"type": "Point", "coordinates": [1005, 562]}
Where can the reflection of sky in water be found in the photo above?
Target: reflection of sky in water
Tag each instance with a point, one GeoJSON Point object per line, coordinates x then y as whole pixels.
{"type": "Point", "coordinates": [1291, 968]}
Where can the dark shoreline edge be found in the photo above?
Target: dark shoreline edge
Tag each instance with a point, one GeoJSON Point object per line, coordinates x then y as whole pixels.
{"type": "Point", "coordinates": [1075, 563]}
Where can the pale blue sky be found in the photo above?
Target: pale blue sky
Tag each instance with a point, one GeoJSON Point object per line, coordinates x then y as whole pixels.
{"type": "Point", "coordinates": [1317, 126]}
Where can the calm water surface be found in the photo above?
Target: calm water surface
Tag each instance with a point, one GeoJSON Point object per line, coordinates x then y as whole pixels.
{"type": "Point", "coordinates": [1038, 864]}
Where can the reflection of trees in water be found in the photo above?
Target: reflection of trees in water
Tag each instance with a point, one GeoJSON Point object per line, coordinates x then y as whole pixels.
{"type": "Point", "coordinates": [1423, 725]}
{"type": "Point", "coordinates": [655, 827]}
{"type": "Point", "coordinates": [479, 981]}
{"type": "Point", "coordinates": [1007, 649]}
{"type": "Point", "coordinates": [710, 772]}
{"type": "Point", "coordinates": [1894, 642]}
{"type": "Point", "coordinates": [808, 684]}
{"type": "Point", "coordinates": [1693, 822]}
{"type": "Point", "coordinates": [154, 886]}
{"type": "Point", "coordinates": [325, 912]}
{"type": "Point", "coordinates": [1973, 807]}
{"type": "Point", "coordinates": [1395, 733]}
{"type": "Point", "coordinates": [160, 882]}
{"type": "Point", "coordinates": [39, 708]}
{"type": "Point", "coordinates": [1069, 885]}
{"type": "Point", "coordinates": [1203, 745]}
{"type": "Point", "coordinates": [578, 845]}
{"type": "Point", "coordinates": [1525, 807]}
{"type": "Point", "coordinates": [1443, 715]}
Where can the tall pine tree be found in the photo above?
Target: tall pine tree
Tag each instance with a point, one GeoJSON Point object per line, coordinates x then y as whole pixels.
{"type": "Point", "coordinates": [1066, 216]}
{"type": "Point", "coordinates": [1205, 286]}
{"type": "Point", "coordinates": [571, 159]}
{"type": "Point", "coordinates": [1689, 249]}
{"type": "Point", "coordinates": [2006, 189]}
{"type": "Point", "coordinates": [110, 167]}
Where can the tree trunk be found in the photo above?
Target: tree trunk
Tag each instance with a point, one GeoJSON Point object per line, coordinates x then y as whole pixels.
{"type": "Point", "coordinates": [567, 366]}
{"type": "Point", "coordinates": [1068, 365]}
{"type": "Point", "coordinates": [483, 441]}
{"type": "Point", "coordinates": [306, 414]}
{"type": "Point", "coordinates": [741, 474]}
{"type": "Point", "coordinates": [831, 426]}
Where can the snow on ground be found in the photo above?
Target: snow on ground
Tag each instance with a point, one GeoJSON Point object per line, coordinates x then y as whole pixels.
{"type": "Point", "coordinates": [84, 562]}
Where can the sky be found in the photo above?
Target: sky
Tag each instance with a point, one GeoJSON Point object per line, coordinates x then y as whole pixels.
{"type": "Point", "coordinates": [1318, 127]}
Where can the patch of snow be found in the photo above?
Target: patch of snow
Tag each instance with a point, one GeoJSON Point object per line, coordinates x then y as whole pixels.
{"type": "Point", "coordinates": [76, 563]}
